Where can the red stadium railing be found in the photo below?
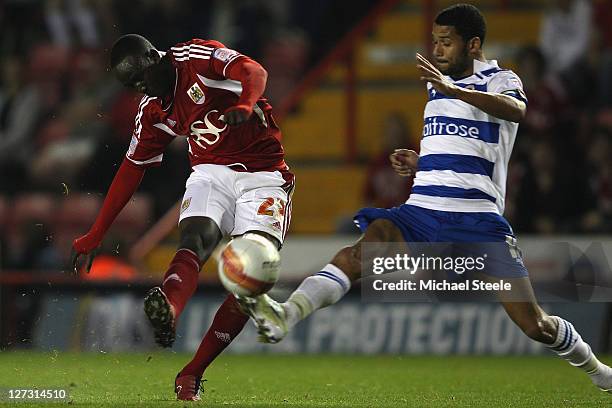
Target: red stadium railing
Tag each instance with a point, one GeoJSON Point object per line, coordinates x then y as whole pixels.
{"type": "Point", "coordinates": [346, 45]}
{"type": "Point", "coordinates": [343, 52]}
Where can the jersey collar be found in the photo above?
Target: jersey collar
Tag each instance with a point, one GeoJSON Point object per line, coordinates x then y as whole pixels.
{"type": "Point", "coordinates": [480, 66]}
{"type": "Point", "coordinates": [167, 102]}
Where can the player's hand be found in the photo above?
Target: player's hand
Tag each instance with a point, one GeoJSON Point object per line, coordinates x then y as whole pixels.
{"type": "Point", "coordinates": [429, 73]}
{"type": "Point", "coordinates": [236, 115]}
{"type": "Point", "coordinates": [86, 246]}
{"type": "Point", "coordinates": [404, 162]}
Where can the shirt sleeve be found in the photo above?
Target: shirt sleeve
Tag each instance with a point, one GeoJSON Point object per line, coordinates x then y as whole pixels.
{"type": "Point", "coordinates": [148, 142]}
{"type": "Point", "coordinates": [507, 83]}
{"type": "Point", "coordinates": [208, 57]}
{"type": "Point", "coordinates": [223, 58]}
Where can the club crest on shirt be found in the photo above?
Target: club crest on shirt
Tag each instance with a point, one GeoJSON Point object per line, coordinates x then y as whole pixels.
{"type": "Point", "coordinates": [196, 94]}
{"type": "Point", "coordinates": [186, 204]}
{"type": "Point", "coordinates": [224, 54]}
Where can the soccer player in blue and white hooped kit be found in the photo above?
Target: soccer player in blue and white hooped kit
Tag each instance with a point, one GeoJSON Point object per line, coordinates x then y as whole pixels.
{"type": "Point", "coordinates": [471, 121]}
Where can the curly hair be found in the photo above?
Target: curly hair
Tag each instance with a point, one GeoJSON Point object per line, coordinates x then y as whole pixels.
{"type": "Point", "coordinates": [467, 20]}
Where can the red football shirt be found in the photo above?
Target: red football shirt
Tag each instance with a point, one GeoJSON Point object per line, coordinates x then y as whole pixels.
{"type": "Point", "coordinates": [202, 93]}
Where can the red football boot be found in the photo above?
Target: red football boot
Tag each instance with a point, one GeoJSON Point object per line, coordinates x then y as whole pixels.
{"type": "Point", "coordinates": [188, 387]}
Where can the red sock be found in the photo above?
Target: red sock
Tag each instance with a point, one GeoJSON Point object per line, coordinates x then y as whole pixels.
{"type": "Point", "coordinates": [181, 279]}
{"type": "Point", "coordinates": [226, 325]}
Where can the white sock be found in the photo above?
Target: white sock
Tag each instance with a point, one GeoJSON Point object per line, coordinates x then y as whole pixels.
{"type": "Point", "coordinates": [570, 346]}
{"type": "Point", "coordinates": [315, 292]}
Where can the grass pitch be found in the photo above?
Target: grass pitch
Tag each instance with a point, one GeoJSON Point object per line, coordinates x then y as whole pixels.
{"type": "Point", "coordinates": [306, 381]}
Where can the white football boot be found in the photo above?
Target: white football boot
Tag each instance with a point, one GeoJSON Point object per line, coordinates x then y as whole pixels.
{"type": "Point", "coordinates": [268, 315]}
{"type": "Point", "coordinates": [602, 377]}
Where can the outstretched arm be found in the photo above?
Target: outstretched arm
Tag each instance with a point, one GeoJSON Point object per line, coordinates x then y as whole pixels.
{"type": "Point", "coordinates": [124, 185]}
{"type": "Point", "coordinates": [495, 104]}
{"type": "Point", "coordinates": [499, 105]}
{"type": "Point", "coordinates": [253, 78]}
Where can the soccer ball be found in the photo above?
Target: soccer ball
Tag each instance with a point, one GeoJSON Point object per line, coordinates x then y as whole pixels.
{"type": "Point", "coordinates": [249, 265]}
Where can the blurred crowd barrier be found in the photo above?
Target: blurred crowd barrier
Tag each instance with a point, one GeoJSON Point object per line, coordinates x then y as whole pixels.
{"type": "Point", "coordinates": [115, 322]}
{"type": "Point", "coordinates": [55, 312]}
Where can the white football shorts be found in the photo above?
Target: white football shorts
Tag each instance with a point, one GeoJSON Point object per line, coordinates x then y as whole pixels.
{"type": "Point", "coordinates": [238, 201]}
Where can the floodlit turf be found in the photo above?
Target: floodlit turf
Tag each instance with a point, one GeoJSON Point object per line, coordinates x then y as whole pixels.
{"type": "Point", "coordinates": [304, 381]}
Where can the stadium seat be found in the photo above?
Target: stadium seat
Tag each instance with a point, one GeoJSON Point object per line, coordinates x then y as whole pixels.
{"type": "Point", "coordinates": [26, 211]}
{"type": "Point", "coordinates": [78, 211]}
{"type": "Point", "coordinates": [136, 215]}
{"type": "Point", "coordinates": [53, 131]}
{"type": "Point", "coordinates": [48, 62]}
{"type": "Point", "coordinates": [75, 215]}
{"type": "Point", "coordinates": [32, 207]}
{"type": "Point", "coordinates": [317, 133]}
{"type": "Point", "coordinates": [317, 203]}
{"type": "Point", "coordinates": [63, 238]}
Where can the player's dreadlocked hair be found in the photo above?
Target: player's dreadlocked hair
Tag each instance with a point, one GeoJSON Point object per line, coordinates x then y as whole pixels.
{"type": "Point", "coordinates": [129, 44]}
{"type": "Point", "coordinates": [467, 20]}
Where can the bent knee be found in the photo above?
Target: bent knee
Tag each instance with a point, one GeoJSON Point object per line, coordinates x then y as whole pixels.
{"type": "Point", "coordinates": [347, 255]}
{"type": "Point", "coordinates": [383, 230]}
{"type": "Point", "coordinates": [199, 234]}
{"type": "Point", "coordinates": [193, 241]}
{"type": "Point", "coordinates": [348, 260]}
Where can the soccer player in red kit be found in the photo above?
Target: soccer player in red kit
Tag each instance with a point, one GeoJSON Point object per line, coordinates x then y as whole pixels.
{"type": "Point", "coordinates": [240, 183]}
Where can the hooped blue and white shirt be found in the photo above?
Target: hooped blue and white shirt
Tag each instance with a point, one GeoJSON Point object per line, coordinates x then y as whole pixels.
{"type": "Point", "coordinates": [464, 154]}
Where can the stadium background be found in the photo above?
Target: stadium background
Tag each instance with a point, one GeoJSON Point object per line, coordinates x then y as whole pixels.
{"type": "Point", "coordinates": [345, 90]}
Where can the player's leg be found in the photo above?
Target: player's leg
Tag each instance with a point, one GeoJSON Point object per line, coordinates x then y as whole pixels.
{"type": "Point", "coordinates": [206, 209]}
{"type": "Point", "coordinates": [163, 305]}
{"type": "Point", "coordinates": [199, 236]}
{"type": "Point", "coordinates": [556, 333]}
{"type": "Point", "coordinates": [225, 327]}
{"type": "Point", "coordinates": [322, 289]}
{"type": "Point", "coordinates": [260, 211]}
{"type": "Point", "coordinates": [505, 262]}
{"type": "Point", "coordinates": [227, 324]}
{"type": "Point", "coordinates": [334, 280]}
